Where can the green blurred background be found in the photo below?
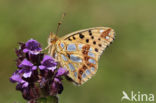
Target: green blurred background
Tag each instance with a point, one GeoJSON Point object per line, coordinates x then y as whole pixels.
{"type": "Point", "coordinates": [128, 64]}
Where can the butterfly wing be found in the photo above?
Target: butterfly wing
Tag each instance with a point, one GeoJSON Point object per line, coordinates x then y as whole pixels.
{"type": "Point", "coordinates": [79, 51]}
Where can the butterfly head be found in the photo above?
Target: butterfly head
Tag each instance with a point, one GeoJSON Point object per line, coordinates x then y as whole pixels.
{"type": "Point", "coordinates": [52, 38]}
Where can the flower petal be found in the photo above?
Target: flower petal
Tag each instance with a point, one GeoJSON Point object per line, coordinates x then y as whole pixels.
{"type": "Point", "coordinates": [48, 63]}
{"type": "Point", "coordinates": [25, 84]}
{"type": "Point", "coordinates": [25, 50]}
{"type": "Point", "coordinates": [47, 57]}
{"type": "Point", "coordinates": [61, 72]}
{"type": "Point", "coordinates": [27, 75]}
{"type": "Point", "coordinates": [32, 46]}
{"type": "Point", "coordinates": [51, 68]}
{"type": "Point", "coordinates": [25, 62]}
{"type": "Point", "coordinates": [34, 67]}
{"type": "Point", "coordinates": [42, 67]}
{"type": "Point", "coordinates": [15, 78]}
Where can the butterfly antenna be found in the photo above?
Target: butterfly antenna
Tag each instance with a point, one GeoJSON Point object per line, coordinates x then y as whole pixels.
{"type": "Point", "coordinates": [60, 22]}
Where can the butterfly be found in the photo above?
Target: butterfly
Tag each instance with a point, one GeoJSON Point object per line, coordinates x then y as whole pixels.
{"type": "Point", "coordinates": [80, 51]}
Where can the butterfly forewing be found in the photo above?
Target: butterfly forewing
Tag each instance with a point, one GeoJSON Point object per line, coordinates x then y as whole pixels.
{"type": "Point", "coordinates": [98, 38]}
{"type": "Point", "coordinates": [79, 51]}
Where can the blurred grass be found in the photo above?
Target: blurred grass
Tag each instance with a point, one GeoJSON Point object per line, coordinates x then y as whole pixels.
{"type": "Point", "coordinates": [128, 64]}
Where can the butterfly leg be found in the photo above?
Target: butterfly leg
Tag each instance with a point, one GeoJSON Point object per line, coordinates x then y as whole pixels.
{"type": "Point", "coordinates": [46, 48]}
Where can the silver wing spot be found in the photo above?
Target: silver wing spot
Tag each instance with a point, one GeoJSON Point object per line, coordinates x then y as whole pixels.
{"type": "Point", "coordinates": [62, 45]}
{"type": "Point", "coordinates": [55, 55]}
{"type": "Point", "coordinates": [64, 57]}
{"type": "Point", "coordinates": [91, 54]}
{"type": "Point", "coordinates": [75, 74]}
{"type": "Point", "coordinates": [107, 37]}
{"type": "Point", "coordinates": [83, 75]}
{"type": "Point", "coordinates": [92, 61]}
{"type": "Point", "coordinates": [90, 49]}
{"type": "Point", "coordinates": [75, 58]}
{"type": "Point", "coordinates": [71, 47]}
{"type": "Point", "coordinates": [80, 46]}
{"type": "Point", "coordinates": [101, 31]}
{"type": "Point", "coordinates": [71, 67]}
{"type": "Point", "coordinates": [92, 69]}
{"type": "Point", "coordinates": [87, 72]}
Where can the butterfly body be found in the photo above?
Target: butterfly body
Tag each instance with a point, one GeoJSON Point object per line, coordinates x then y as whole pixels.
{"type": "Point", "coordinates": [80, 51]}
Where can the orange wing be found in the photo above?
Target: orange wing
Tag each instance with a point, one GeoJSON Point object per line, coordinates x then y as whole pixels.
{"type": "Point", "coordinates": [79, 51]}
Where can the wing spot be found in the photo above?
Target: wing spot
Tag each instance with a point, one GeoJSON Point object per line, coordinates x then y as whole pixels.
{"type": "Point", "coordinates": [80, 71]}
{"type": "Point", "coordinates": [62, 45]}
{"type": "Point", "coordinates": [81, 36]}
{"type": "Point", "coordinates": [99, 39]}
{"type": "Point", "coordinates": [86, 47]}
{"type": "Point", "coordinates": [84, 52]}
{"type": "Point", "coordinates": [89, 64]}
{"type": "Point", "coordinates": [83, 75]}
{"type": "Point", "coordinates": [90, 49]}
{"type": "Point", "coordinates": [96, 50]}
{"type": "Point", "coordinates": [64, 57]}
{"type": "Point", "coordinates": [86, 58]}
{"type": "Point", "coordinates": [75, 74]}
{"type": "Point", "coordinates": [71, 47]}
{"type": "Point", "coordinates": [94, 42]}
{"type": "Point", "coordinates": [107, 37]}
{"type": "Point", "coordinates": [92, 37]}
{"type": "Point", "coordinates": [87, 72]}
{"type": "Point", "coordinates": [87, 40]}
{"type": "Point", "coordinates": [79, 77]}
{"type": "Point", "coordinates": [90, 32]}
{"type": "Point", "coordinates": [55, 55]}
{"type": "Point", "coordinates": [92, 69]}
{"type": "Point", "coordinates": [101, 31]}
{"type": "Point", "coordinates": [92, 61]}
{"type": "Point", "coordinates": [68, 55]}
{"type": "Point", "coordinates": [69, 39]}
{"type": "Point", "coordinates": [100, 45]}
{"type": "Point", "coordinates": [84, 67]}
{"type": "Point", "coordinates": [80, 46]}
{"type": "Point", "coordinates": [105, 33]}
{"type": "Point", "coordinates": [74, 38]}
{"type": "Point", "coordinates": [75, 58]}
{"type": "Point", "coordinates": [91, 54]}
{"type": "Point", "coordinates": [71, 67]}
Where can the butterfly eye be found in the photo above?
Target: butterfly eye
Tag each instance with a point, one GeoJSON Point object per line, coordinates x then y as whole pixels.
{"type": "Point", "coordinates": [52, 39]}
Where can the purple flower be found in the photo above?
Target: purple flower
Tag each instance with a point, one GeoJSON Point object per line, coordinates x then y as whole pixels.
{"type": "Point", "coordinates": [37, 74]}
{"type": "Point", "coordinates": [56, 87]}
{"type": "Point", "coordinates": [61, 72]}
{"type": "Point", "coordinates": [32, 47]}
{"type": "Point", "coordinates": [16, 77]}
{"type": "Point", "coordinates": [26, 68]}
{"type": "Point", "coordinates": [48, 63]}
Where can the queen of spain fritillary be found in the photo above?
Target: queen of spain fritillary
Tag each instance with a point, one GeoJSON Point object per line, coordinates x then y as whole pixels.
{"type": "Point", "coordinates": [80, 51]}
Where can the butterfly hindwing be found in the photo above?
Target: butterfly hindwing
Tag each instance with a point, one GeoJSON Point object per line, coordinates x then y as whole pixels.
{"type": "Point", "coordinates": [80, 61]}
{"type": "Point", "coordinates": [79, 51]}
